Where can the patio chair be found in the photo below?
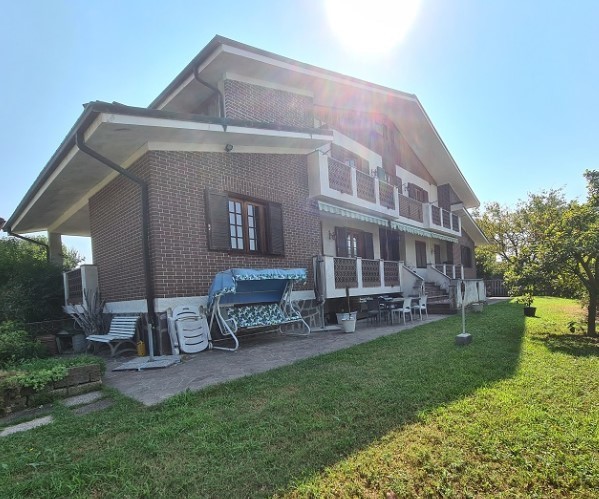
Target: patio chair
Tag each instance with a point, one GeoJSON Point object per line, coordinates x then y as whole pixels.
{"type": "Point", "coordinates": [188, 330]}
{"type": "Point", "coordinates": [404, 309]}
{"type": "Point", "coordinates": [122, 331]}
{"type": "Point", "coordinates": [420, 305]}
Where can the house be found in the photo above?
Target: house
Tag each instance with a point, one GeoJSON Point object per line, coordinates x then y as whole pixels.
{"type": "Point", "coordinates": [251, 159]}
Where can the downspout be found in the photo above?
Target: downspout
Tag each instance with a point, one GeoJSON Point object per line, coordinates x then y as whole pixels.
{"type": "Point", "coordinates": [13, 234]}
{"type": "Point", "coordinates": [221, 98]}
{"type": "Point", "coordinates": [145, 211]}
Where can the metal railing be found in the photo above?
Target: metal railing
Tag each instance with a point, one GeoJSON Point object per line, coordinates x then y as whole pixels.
{"type": "Point", "coordinates": [410, 208]}
{"type": "Point", "coordinates": [386, 195]}
{"type": "Point", "coordinates": [340, 176]}
{"type": "Point", "coordinates": [444, 218]}
{"type": "Point", "coordinates": [365, 186]}
{"type": "Point", "coordinates": [450, 270]}
{"type": "Point", "coordinates": [371, 273]}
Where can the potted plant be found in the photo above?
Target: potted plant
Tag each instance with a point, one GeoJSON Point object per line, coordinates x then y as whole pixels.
{"type": "Point", "coordinates": [348, 320]}
{"type": "Point", "coordinates": [527, 299]}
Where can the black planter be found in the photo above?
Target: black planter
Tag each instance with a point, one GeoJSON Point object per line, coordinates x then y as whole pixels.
{"type": "Point", "coordinates": [530, 311]}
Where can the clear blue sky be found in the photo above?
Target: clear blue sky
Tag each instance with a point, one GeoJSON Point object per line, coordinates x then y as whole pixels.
{"type": "Point", "coordinates": [511, 86]}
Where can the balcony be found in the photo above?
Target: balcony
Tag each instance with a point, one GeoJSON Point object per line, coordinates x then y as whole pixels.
{"type": "Point", "coordinates": [444, 221]}
{"type": "Point", "coordinates": [333, 180]}
{"type": "Point", "coordinates": [361, 276]}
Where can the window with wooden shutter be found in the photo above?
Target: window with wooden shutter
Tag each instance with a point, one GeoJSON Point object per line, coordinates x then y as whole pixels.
{"type": "Point", "coordinates": [240, 224]}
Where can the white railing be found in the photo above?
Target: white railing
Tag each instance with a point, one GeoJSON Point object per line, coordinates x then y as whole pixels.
{"type": "Point", "coordinates": [332, 179]}
{"type": "Point", "coordinates": [450, 270]}
{"type": "Point", "coordinates": [361, 276]}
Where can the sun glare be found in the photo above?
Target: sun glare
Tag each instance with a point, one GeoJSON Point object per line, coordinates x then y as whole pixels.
{"type": "Point", "coordinates": [371, 26]}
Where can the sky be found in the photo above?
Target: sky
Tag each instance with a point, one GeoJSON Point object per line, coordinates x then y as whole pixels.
{"type": "Point", "coordinates": [512, 87]}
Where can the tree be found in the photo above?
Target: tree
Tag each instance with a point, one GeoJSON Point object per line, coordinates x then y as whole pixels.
{"type": "Point", "coordinates": [570, 244]}
{"type": "Point", "coordinates": [31, 288]}
{"type": "Point", "coordinates": [549, 245]}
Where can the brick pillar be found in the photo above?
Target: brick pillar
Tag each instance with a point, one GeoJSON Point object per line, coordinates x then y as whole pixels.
{"type": "Point", "coordinates": [55, 244]}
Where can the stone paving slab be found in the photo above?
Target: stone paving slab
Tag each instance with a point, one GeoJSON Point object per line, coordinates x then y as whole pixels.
{"type": "Point", "coordinates": [86, 398]}
{"type": "Point", "coordinates": [96, 406]}
{"type": "Point", "coordinates": [34, 423]}
{"type": "Point", "coordinates": [255, 355]}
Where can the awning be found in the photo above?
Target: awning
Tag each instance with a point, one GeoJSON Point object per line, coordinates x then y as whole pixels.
{"type": "Point", "coordinates": [417, 231]}
{"type": "Point", "coordinates": [356, 215]}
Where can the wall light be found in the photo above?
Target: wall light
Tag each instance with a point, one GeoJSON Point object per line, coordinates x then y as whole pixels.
{"type": "Point", "coordinates": [332, 235]}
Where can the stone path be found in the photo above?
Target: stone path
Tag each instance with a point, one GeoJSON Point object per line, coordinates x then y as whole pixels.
{"type": "Point", "coordinates": [82, 404]}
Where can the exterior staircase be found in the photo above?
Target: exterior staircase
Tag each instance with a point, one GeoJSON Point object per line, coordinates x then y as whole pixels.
{"type": "Point", "coordinates": [438, 299]}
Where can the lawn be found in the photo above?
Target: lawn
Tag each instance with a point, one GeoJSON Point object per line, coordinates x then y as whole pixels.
{"type": "Point", "coordinates": [515, 413]}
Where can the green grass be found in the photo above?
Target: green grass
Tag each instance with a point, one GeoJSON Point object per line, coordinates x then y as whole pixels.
{"type": "Point", "coordinates": [515, 413]}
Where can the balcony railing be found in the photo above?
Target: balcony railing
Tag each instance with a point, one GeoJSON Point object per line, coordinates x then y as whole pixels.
{"type": "Point", "coordinates": [445, 219]}
{"type": "Point", "coordinates": [340, 176]}
{"type": "Point", "coordinates": [386, 194]}
{"type": "Point", "coordinates": [362, 276]}
{"type": "Point", "coordinates": [410, 208]}
{"type": "Point", "coordinates": [450, 270]}
{"type": "Point", "coordinates": [365, 186]}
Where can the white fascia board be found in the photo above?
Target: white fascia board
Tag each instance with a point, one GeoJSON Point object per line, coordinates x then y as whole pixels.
{"type": "Point", "coordinates": [191, 77]}
{"type": "Point", "coordinates": [58, 170]}
{"type": "Point", "coordinates": [314, 73]}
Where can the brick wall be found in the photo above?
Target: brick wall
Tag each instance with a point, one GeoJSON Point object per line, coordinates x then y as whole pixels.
{"type": "Point", "coordinates": [115, 224]}
{"type": "Point", "coordinates": [245, 101]}
{"type": "Point", "coordinates": [182, 264]}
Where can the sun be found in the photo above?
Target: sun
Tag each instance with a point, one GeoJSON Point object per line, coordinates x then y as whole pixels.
{"type": "Point", "coordinates": [371, 26]}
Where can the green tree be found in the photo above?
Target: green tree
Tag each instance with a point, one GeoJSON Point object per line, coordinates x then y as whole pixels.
{"type": "Point", "coordinates": [31, 288]}
{"type": "Point", "coordinates": [570, 245]}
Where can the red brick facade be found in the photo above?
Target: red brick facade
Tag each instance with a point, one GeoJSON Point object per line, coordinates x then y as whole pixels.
{"type": "Point", "coordinates": [245, 101]}
{"type": "Point", "coordinates": [181, 261]}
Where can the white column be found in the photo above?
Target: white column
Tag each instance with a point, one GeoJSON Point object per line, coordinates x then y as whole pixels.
{"type": "Point", "coordinates": [55, 244]}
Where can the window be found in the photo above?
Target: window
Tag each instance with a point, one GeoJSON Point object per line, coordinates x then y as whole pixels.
{"type": "Point", "coordinates": [354, 243]}
{"type": "Point", "coordinates": [244, 225]}
{"type": "Point", "coordinates": [417, 193]}
{"type": "Point", "coordinates": [467, 256]}
{"type": "Point", "coordinates": [420, 254]}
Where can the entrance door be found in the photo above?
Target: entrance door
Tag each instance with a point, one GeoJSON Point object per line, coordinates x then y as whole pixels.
{"type": "Point", "coordinates": [437, 254]}
{"type": "Point", "coordinates": [420, 254]}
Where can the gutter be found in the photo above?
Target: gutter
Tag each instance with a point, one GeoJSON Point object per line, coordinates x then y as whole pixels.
{"type": "Point", "coordinates": [6, 228]}
{"type": "Point", "coordinates": [145, 208]}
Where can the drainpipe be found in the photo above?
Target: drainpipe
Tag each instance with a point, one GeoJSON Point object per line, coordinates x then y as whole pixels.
{"type": "Point", "coordinates": [221, 99]}
{"type": "Point", "coordinates": [11, 233]}
{"type": "Point", "coordinates": [145, 210]}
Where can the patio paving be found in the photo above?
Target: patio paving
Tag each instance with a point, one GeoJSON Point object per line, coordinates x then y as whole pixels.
{"type": "Point", "coordinates": [256, 354]}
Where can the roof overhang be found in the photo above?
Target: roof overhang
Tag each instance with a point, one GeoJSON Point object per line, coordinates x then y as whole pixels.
{"type": "Point", "coordinates": [328, 88]}
{"type": "Point", "coordinates": [58, 200]}
{"type": "Point", "coordinates": [471, 227]}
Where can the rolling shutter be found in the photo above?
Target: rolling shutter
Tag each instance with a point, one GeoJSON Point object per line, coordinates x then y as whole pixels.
{"type": "Point", "coordinates": [368, 246]}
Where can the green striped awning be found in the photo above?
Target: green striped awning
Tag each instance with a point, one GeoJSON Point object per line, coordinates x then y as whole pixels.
{"type": "Point", "coordinates": [356, 215]}
{"type": "Point", "coordinates": [417, 231]}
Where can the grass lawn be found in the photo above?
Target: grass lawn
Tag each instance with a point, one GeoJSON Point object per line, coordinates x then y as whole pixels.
{"type": "Point", "coordinates": [516, 413]}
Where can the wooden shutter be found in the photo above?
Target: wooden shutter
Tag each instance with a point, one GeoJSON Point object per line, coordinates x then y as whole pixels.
{"type": "Point", "coordinates": [341, 241]}
{"type": "Point", "coordinates": [276, 239]}
{"type": "Point", "coordinates": [217, 221]}
{"type": "Point", "coordinates": [368, 246]}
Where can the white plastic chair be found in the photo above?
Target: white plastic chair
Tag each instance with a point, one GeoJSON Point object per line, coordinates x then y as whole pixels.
{"type": "Point", "coordinates": [406, 308]}
{"type": "Point", "coordinates": [421, 306]}
{"type": "Point", "coordinates": [188, 329]}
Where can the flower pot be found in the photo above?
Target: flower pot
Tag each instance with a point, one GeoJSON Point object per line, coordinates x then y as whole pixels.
{"type": "Point", "coordinates": [345, 315]}
{"type": "Point", "coordinates": [477, 307]}
{"type": "Point", "coordinates": [348, 324]}
{"type": "Point", "coordinates": [530, 311]}
{"type": "Point", "coordinates": [79, 343]}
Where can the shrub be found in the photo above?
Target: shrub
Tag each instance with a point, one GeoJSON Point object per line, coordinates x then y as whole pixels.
{"type": "Point", "coordinates": [16, 345]}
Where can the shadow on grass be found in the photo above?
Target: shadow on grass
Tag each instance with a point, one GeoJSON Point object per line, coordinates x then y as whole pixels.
{"type": "Point", "coordinates": [263, 434]}
{"type": "Point", "coordinates": [576, 345]}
